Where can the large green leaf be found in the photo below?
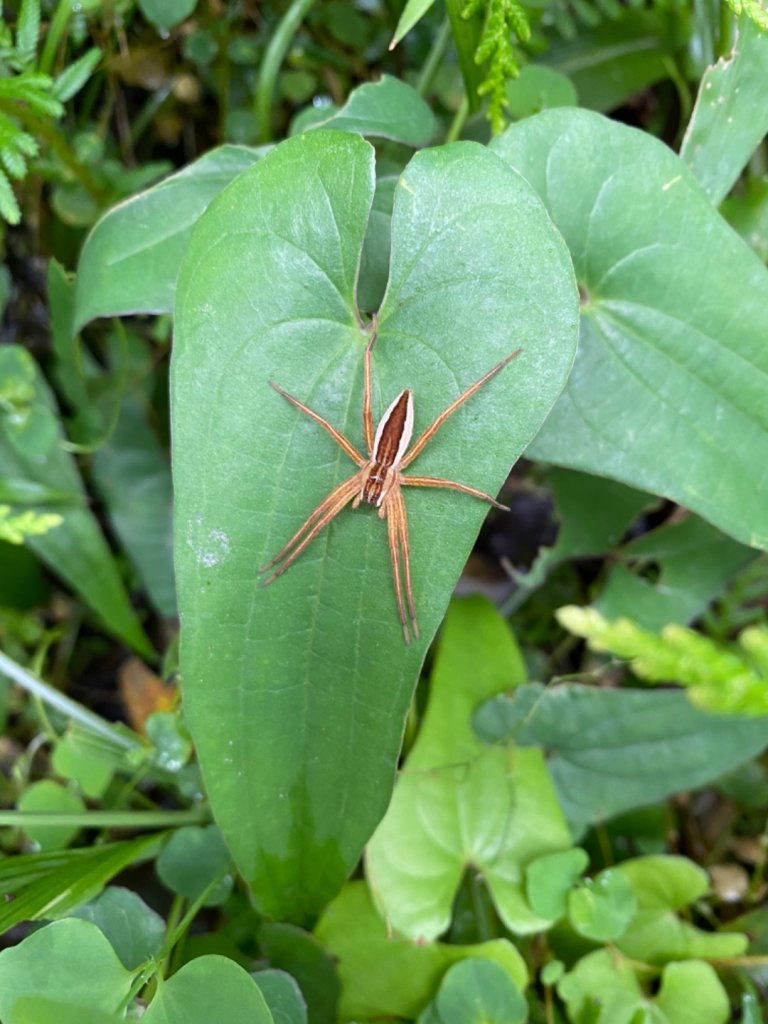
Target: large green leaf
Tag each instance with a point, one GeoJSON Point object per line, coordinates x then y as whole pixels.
{"type": "Point", "coordinates": [668, 392]}
{"type": "Point", "coordinates": [296, 694]}
{"type": "Point", "coordinates": [731, 113]}
{"type": "Point", "coordinates": [31, 449]}
{"type": "Point", "coordinates": [612, 750]}
{"type": "Point", "coordinates": [130, 260]}
{"type": "Point", "coordinates": [459, 805]}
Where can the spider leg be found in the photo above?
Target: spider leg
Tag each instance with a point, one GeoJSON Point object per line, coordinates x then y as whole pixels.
{"type": "Point", "coordinates": [304, 536]}
{"type": "Point", "coordinates": [402, 522]}
{"type": "Point", "coordinates": [432, 430]}
{"type": "Point", "coordinates": [390, 511]}
{"type": "Point", "coordinates": [367, 412]}
{"type": "Point", "coordinates": [437, 481]}
{"type": "Point", "coordinates": [338, 437]}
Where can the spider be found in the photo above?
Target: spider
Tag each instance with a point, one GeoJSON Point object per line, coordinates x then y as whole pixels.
{"type": "Point", "coordinates": [379, 479]}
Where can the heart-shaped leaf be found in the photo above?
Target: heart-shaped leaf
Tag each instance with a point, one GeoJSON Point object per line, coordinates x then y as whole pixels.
{"type": "Point", "coordinates": [296, 694]}
{"type": "Point", "coordinates": [668, 391]}
{"type": "Point", "coordinates": [458, 805]}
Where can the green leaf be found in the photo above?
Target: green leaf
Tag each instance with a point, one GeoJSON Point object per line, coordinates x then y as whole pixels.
{"type": "Point", "coordinates": [168, 733]}
{"type": "Point", "coordinates": [72, 79]}
{"type": "Point", "coordinates": [374, 261]}
{"type": "Point", "coordinates": [459, 805]}
{"type": "Point", "coordinates": [83, 757]}
{"type": "Point", "coordinates": [478, 991]}
{"type": "Point", "coordinates": [130, 260]}
{"type": "Point", "coordinates": [612, 750]}
{"type": "Point", "coordinates": [51, 884]}
{"type": "Point", "coordinates": [603, 988]}
{"type": "Point", "coordinates": [386, 975]}
{"type": "Point", "coordinates": [747, 213]}
{"type": "Point", "coordinates": [69, 963]}
{"type": "Point", "coordinates": [593, 513]}
{"type": "Point", "coordinates": [731, 113]}
{"type": "Point", "coordinates": [44, 797]}
{"type": "Point", "coordinates": [133, 475]}
{"type": "Point", "coordinates": [538, 87]}
{"type": "Point", "coordinates": [412, 13]}
{"type": "Point", "coordinates": [192, 859]}
{"type": "Point", "coordinates": [207, 989]}
{"type": "Point", "coordinates": [695, 563]}
{"type": "Point", "coordinates": [667, 393]}
{"type": "Point", "coordinates": [39, 1010]}
{"type": "Point", "coordinates": [298, 773]}
{"type": "Point", "coordinates": [664, 885]}
{"type": "Point", "coordinates": [601, 908]}
{"type": "Point", "coordinates": [76, 550]}
{"type": "Point", "coordinates": [549, 878]}
{"type": "Point", "coordinates": [387, 109]}
{"type": "Point", "coordinates": [166, 14]}
{"type": "Point", "coordinates": [134, 930]}
{"type": "Point", "coordinates": [617, 59]}
{"type": "Point", "coordinates": [283, 996]}
{"type": "Point", "coordinates": [301, 955]}
{"type": "Point", "coordinates": [692, 993]}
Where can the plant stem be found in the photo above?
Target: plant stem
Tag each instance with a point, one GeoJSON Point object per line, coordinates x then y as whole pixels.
{"type": "Point", "coordinates": [281, 40]}
{"type": "Point", "coordinates": [458, 122]}
{"type": "Point", "coordinates": [56, 29]}
{"type": "Point", "coordinates": [434, 58]}
{"type": "Point", "coordinates": [51, 696]}
{"type": "Point", "coordinates": [106, 819]}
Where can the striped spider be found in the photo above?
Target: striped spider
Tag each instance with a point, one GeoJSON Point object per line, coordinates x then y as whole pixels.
{"type": "Point", "coordinates": [379, 480]}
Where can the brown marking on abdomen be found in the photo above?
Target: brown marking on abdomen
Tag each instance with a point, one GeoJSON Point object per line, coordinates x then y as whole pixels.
{"type": "Point", "coordinates": [389, 442]}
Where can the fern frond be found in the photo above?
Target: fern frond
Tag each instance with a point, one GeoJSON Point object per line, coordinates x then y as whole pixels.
{"type": "Point", "coordinates": [72, 79]}
{"type": "Point", "coordinates": [14, 529]}
{"type": "Point", "coordinates": [504, 18]}
{"type": "Point", "coordinates": [9, 207]}
{"type": "Point", "coordinates": [719, 677]}
{"type": "Point", "coordinates": [13, 161]}
{"type": "Point", "coordinates": [34, 90]}
{"type": "Point", "coordinates": [27, 33]}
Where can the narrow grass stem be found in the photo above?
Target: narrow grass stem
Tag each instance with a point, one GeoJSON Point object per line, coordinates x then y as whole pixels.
{"type": "Point", "coordinates": [279, 44]}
